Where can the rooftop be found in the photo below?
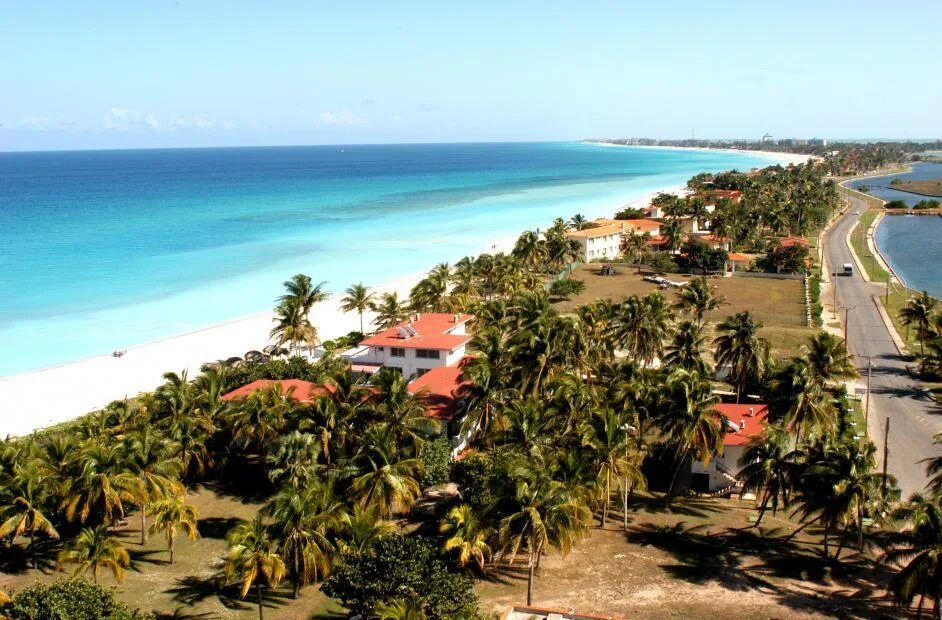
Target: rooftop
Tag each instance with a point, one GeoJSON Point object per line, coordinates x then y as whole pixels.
{"type": "Point", "coordinates": [302, 391]}
{"type": "Point", "coordinates": [432, 331]}
{"type": "Point", "coordinates": [743, 422]}
{"type": "Point", "coordinates": [437, 388]}
{"type": "Point", "coordinates": [604, 227]}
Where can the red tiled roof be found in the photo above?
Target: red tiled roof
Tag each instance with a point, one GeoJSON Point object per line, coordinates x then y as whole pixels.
{"type": "Point", "coordinates": [659, 240]}
{"type": "Point", "coordinates": [432, 328]}
{"type": "Point", "coordinates": [790, 241]}
{"type": "Point", "coordinates": [736, 257]}
{"type": "Point", "coordinates": [737, 414]}
{"type": "Point", "coordinates": [302, 391]}
{"type": "Point", "coordinates": [604, 227]}
{"type": "Point", "coordinates": [437, 388]}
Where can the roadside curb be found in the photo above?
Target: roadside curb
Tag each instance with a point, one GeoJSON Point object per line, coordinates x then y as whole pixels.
{"type": "Point", "coordinates": [888, 323]}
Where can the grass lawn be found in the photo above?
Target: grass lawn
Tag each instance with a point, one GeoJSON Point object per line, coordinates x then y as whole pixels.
{"type": "Point", "coordinates": [778, 304]}
{"type": "Point", "coordinates": [928, 187]}
{"type": "Point", "coordinates": [703, 560]}
{"type": "Point", "coordinates": [190, 588]}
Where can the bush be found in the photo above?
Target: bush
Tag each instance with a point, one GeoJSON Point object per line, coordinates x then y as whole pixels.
{"type": "Point", "coordinates": [895, 204]}
{"type": "Point", "coordinates": [926, 204]}
{"type": "Point", "coordinates": [630, 213]}
{"type": "Point", "coordinates": [481, 477]}
{"type": "Point", "coordinates": [566, 287]}
{"type": "Point", "coordinates": [695, 254]}
{"type": "Point", "coordinates": [401, 567]}
{"type": "Point", "coordinates": [436, 462]}
{"type": "Point", "coordinates": [70, 599]}
{"type": "Point", "coordinates": [662, 262]}
{"type": "Point", "coordinates": [787, 259]}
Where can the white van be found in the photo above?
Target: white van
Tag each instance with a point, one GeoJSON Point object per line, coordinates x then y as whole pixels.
{"type": "Point", "coordinates": [848, 269]}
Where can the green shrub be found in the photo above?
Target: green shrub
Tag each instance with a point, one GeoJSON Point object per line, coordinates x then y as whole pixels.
{"type": "Point", "coordinates": [926, 204]}
{"type": "Point", "coordinates": [69, 599]}
{"type": "Point", "coordinates": [662, 262]}
{"type": "Point", "coordinates": [402, 567]}
{"type": "Point", "coordinates": [481, 477]}
{"type": "Point", "coordinates": [436, 462]}
{"type": "Point", "coordinates": [895, 204]}
{"type": "Point", "coordinates": [566, 287]}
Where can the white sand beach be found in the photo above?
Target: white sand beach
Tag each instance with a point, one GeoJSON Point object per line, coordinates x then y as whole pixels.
{"type": "Point", "coordinates": [783, 158]}
{"type": "Point", "coordinates": [41, 398]}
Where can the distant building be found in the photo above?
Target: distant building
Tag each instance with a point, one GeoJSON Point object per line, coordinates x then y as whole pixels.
{"type": "Point", "coordinates": [301, 391]}
{"type": "Point", "coordinates": [603, 240]}
{"type": "Point", "coordinates": [743, 422]}
{"type": "Point", "coordinates": [817, 142]}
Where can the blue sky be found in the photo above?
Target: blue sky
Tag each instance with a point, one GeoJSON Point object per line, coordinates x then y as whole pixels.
{"type": "Point", "coordinates": [155, 73]}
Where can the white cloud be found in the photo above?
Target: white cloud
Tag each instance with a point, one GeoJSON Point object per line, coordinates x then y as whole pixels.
{"type": "Point", "coordinates": [197, 122]}
{"type": "Point", "coordinates": [35, 123]}
{"type": "Point", "coordinates": [122, 119]}
{"type": "Point", "coordinates": [398, 121]}
{"type": "Point", "coordinates": [343, 118]}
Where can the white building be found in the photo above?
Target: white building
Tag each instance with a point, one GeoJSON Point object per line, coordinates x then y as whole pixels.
{"type": "Point", "coordinates": [743, 423]}
{"type": "Point", "coordinates": [430, 340]}
{"type": "Point", "coordinates": [603, 239]}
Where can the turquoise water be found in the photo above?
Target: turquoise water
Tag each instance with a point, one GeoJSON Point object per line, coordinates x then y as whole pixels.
{"type": "Point", "coordinates": [107, 249]}
{"type": "Point", "coordinates": [911, 244]}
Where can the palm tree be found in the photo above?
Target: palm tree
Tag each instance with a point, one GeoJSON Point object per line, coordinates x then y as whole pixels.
{"type": "Point", "coordinates": [692, 423]}
{"type": "Point", "coordinates": [259, 419]}
{"type": "Point", "coordinates": [293, 458]}
{"type": "Point", "coordinates": [740, 348]}
{"type": "Point", "coordinates": [362, 529]}
{"type": "Point", "coordinates": [102, 485]}
{"type": "Point", "coordinates": [158, 473]}
{"type": "Point", "coordinates": [698, 298]}
{"type": "Point", "coordinates": [578, 221]}
{"type": "Point", "coordinates": [673, 233]}
{"type": "Point", "coordinates": [829, 358]}
{"type": "Point", "coordinates": [388, 484]}
{"type": "Point", "coordinates": [301, 290]}
{"type": "Point", "coordinates": [481, 388]}
{"type": "Point", "coordinates": [686, 349]}
{"type": "Point", "coordinates": [605, 433]}
{"type": "Point", "coordinates": [389, 311]}
{"type": "Point", "coordinates": [467, 535]}
{"type": "Point", "coordinates": [253, 557]}
{"type": "Point", "coordinates": [173, 513]}
{"type": "Point", "coordinates": [303, 519]}
{"type": "Point", "coordinates": [810, 409]}
{"type": "Point", "coordinates": [358, 298]}
{"type": "Point", "coordinates": [94, 549]}
{"type": "Point", "coordinates": [530, 250]}
{"type": "Point", "coordinates": [541, 514]}
{"type": "Point", "coordinates": [292, 325]}
{"type": "Point", "coordinates": [22, 517]}
{"type": "Point", "coordinates": [767, 468]}
{"type": "Point", "coordinates": [632, 244]}
{"type": "Point", "coordinates": [918, 550]}
{"type": "Point", "coordinates": [918, 313]}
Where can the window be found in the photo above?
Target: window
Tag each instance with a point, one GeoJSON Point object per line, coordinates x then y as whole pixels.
{"type": "Point", "coordinates": [420, 371]}
{"type": "Point", "coordinates": [397, 352]}
{"type": "Point", "coordinates": [427, 354]}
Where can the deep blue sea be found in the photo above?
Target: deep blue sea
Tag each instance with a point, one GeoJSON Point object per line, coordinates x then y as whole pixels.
{"type": "Point", "coordinates": [101, 250]}
{"type": "Point", "coordinates": [911, 244]}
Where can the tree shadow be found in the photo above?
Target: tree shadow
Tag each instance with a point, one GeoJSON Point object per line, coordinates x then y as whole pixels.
{"type": "Point", "coordinates": [249, 487]}
{"type": "Point", "coordinates": [504, 573]}
{"type": "Point", "coordinates": [191, 590]}
{"type": "Point", "coordinates": [690, 506]}
{"type": "Point", "coordinates": [18, 559]}
{"type": "Point", "coordinates": [216, 527]}
{"type": "Point", "coordinates": [180, 613]}
{"type": "Point", "coordinates": [146, 556]}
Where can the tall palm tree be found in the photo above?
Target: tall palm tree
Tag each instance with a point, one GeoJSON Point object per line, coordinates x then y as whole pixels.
{"type": "Point", "coordinates": [388, 484]}
{"type": "Point", "coordinates": [466, 535]}
{"type": "Point", "coordinates": [686, 349]}
{"type": "Point", "coordinates": [530, 250]}
{"type": "Point", "coordinates": [481, 382]}
{"type": "Point", "coordinates": [253, 557]}
{"type": "Point", "coordinates": [698, 298]}
{"type": "Point", "coordinates": [292, 325]}
{"type": "Point", "coordinates": [303, 520]}
{"type": "Point", "coordinates": [103, 485]}
{"type": "Point", "coordinates": [918, 313]}
{"type": "Point", "coordinates": [259, 419]}
{"type": "Point", "coordinates": [358, 298]}
{"type": "Point", "coordinates": [634, 245]}
{"type": "Point", "coordinates": [292, 461]}
{"type": "Point", "coordinates": [362, 528]}
{"type": "Point", "coordinates": [740, 348]}
{"type": "Point", "coordinates": [300, 289]}
{"type": "Point", "coordinates": [768, 468]}
{"type": "Point", "coordinates": [673, 233]}
{"type": "Point", "coordinates": [810, 408]}
{"type": "Point", "coordinates": [829, 358]}
{"type": "Point", "coordinates": [541, 514]}
{"type": "Point", "coordinates": [157, 470]}
{"type": "Point", "coordinates": [917, 549]}
{"type": "Point", "coordinates": [389, 310]}
{"type": "Point", "coordinates": [578, 221]}
{"type": "Point", "coordinates": [692, 423]}
{"type": "Point", "coordinates": [93, 549]}
{"type": "Point", "coordinates": [605, 433]}
{"type": "Point", "coordinates": [172, 513]}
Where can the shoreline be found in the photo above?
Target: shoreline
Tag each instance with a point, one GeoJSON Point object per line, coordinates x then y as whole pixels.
{"type": "Point", "coordinates": [780, 158]}
{"type": "Point", "coordinates": [76, 388]}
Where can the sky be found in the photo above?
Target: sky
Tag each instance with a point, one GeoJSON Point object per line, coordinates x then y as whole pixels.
{"type": "Point", "coordinates": [156, 73]}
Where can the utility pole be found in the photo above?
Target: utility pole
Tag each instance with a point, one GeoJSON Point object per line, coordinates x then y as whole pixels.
{"type": "Point", "coordinates": [886, 450]}
{"type": "Point", "coordinates": [869, 377]}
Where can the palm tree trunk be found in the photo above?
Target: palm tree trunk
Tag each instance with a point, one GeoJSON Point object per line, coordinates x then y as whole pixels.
{"type": "Point", "coordinates": [762, 508]}
{"type": "Point", "coordinates": [624, 504]}
{"type": "Point", "coordinates": [670, 489]}
{"type": "Point", "coordinates": [258, 590]}
{"type": "Point", "coordinates": [143, 525]}
{"type": "Point", "coordinates": [605, 500]}
{"type": "Point", "coordinates": [795, 533]}
{"type": "Point", "coordinates": [297, 573]}
{"type": "Point", "coordinates": [827, 529]}
{"type": "Point", "coordinates": [860, 537]}
{"type": "Point", "coordinates": [530, 581]}
{"type": "Point", "coordinates": [361, 321]}
{"type": "Point", "coordinates": [95, 574]}
{"type": "Point", "coordinates": [32, 551]}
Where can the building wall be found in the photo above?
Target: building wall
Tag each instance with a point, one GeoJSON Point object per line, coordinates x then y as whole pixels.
{"type": "Point", "coordinates": [411, 363]}
{"type": "Point", "coordinates": [729, 461]}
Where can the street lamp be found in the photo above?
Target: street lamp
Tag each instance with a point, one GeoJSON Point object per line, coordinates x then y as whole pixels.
{"type": "Point", "coordinates": [846, 310]}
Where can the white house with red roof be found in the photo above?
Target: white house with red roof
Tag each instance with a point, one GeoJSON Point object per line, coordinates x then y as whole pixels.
{"type": "Point", "coordinates": [743, 422]}
{"type": "Point", "coordinates": [603, 239]}
{"type": "Point", "coordinates": [414, 347]}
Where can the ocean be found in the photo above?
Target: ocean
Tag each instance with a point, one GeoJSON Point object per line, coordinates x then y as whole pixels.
{"type": "Point", "coordinates": [911, 244]}
{"type": "Point", "coordinates": [102, 250]}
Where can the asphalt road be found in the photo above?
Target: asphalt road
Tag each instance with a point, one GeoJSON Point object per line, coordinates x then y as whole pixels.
{"type": "Point", "coordinates": [914, 419]}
